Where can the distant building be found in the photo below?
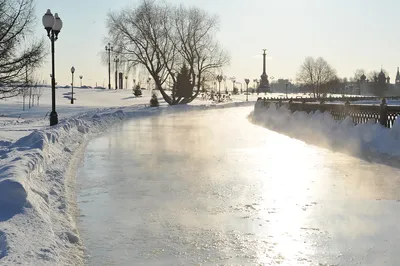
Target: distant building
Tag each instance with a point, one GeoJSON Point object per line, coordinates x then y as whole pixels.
{"type": "Point", "coordinates": [380, 85]}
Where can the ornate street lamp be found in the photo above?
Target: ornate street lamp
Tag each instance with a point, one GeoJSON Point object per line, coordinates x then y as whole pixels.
{"type": "Point", "coordinates": [219, 78]}
{"type": "Point", "coordinates": [109, 49]}
{"type": "Point", "coordinates": [81, 77]}
{"type": "Point", "coordinates": [53, 26]}
{"type": "Point", "coordinates": [247, 89]}
{"type": "Point", "coordinates": [72, 84]}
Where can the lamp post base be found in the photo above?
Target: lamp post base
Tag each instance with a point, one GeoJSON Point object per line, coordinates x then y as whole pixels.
{"type": "Point", "coordinates": [72, 100]}
{"type": "Point", "coordinates": [53, 118]}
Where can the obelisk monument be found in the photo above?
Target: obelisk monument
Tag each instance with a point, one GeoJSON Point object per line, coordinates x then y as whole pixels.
{"type": "Point", "coordinates": [264, 83]}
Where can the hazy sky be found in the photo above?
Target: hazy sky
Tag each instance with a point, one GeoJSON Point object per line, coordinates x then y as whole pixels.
{"type": "Point", "coordinates": [349, 34]}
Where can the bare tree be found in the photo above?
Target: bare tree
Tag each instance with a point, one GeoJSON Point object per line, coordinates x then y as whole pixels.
{"type": "Point", "coordinates": [358, 73]}
{"type": "Point", "coordinates": [372, 75]}
{"type": "Point", "coordinates": [193, 34]}
{"type": "Point", "coordinates": [317, 74]}
{"type": "Point", "coordinates": [163, 38]}
{"type": "Point", "coordinates": [17, 49]}
{"type": "Point", "coordinates": [39, 93]}
{"type": "Point", "coordinates": [23, 92]}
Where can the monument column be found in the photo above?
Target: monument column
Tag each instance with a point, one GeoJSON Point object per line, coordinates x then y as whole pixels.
{"type": "Point", "coordinates": [264, 83]}
{"type": "Point", "coordinates": [264, 64]}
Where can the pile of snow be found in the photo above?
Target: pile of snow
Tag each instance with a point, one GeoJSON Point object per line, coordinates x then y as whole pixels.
{"type": "Point", "coordinates": [322, 130]}
{"type": "Point", "coordinates": [374, 102]}
{"type": "Point", "coordinates": [37, 171]}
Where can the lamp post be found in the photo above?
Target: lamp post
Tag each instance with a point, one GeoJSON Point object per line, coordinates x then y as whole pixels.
{"type": "Point", "coordinates": [72, 84]}
{"type": "Point", "coordinates": [109, 49]}
{"type": "Point", "coordinates": [272, 85]}
{"type": "Point", "coordinates": [126, 82]}
{"type": "Point", "coordinates": [53, 26]}
{"type": "Point", "coordinates": [226, 88]}
{"type": "Point", "coordinates": [81, 77]}
{"type": "Point", "coordinates": [116, 60]}
{"type": "Point", "coordinates": [148, 85]}
{"type": "Point", "coordinates": [247, 89]}
{"type": "Point", "coordinates": [287, 83]}
{"type": "Point", "coordinates": [219, 78]}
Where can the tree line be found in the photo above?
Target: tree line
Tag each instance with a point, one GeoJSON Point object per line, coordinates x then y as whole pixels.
{"type": "Point", "coordinates": [319, 76]}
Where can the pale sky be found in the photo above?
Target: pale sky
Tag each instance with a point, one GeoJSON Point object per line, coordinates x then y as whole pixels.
{"type": "Point", "coordinates": [349, 34]}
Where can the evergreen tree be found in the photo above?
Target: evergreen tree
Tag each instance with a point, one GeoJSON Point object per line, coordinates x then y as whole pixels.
{"type": "Point", "coordinates": [184, 88]}
{"type": "Point", "coordinates": [137, 92]}
{"type": "Point", "coordinates": [154, 101]}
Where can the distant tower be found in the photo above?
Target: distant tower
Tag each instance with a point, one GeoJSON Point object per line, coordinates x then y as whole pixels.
{"type": "Point", "coordinates": [382, 78]}
{"type": "Point", "coordinates": [363, 78]}
{"type": "Point", "coordinates": [397, 82]}
{"type": "Point", "coordinates": [264, 83]}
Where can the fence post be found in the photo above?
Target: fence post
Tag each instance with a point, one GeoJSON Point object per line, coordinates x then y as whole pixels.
{"type": "Point", "coordinates": [322, 106]}
{"type": "Point", "coordinates": [383, 114]}
{"type": "Point", "coordinates": [280, 103]}
{"type": "Point", "coordinates": [346, 109]}
{"type": "Point", "coordinates": [291, 105]}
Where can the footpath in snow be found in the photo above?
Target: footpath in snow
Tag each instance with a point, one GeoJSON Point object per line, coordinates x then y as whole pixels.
{"type": "Point", "coordinates": [363, 140]}
{"type": "Point", "coordinates": [37, 171]}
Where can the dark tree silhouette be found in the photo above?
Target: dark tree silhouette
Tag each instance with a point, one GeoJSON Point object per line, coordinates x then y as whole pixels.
{"type": "Point", "coordinates": [317, 74]}
{"type": "Point", "coordinates": [184, 87]}
{"type": "Point", "coordinates": [19, 53]}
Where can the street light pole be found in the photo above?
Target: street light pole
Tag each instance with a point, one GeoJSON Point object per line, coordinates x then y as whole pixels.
{"type": "Point", "coordinates": [126, 82]}
{"type": "Point", "coordinates": [72, 84]}
{"type": "Point", "coordinates": [81, 77]}
{"type": "Point", "coordinates": [116, 60]}
{"type": "Point", "coordinates": [53, 26]}
{"type": "Point", "coordinates": [247, 89]}
{"type": "Point", "coordinates": [286, 88]}
{"type": "Point", "coordinates": [219, 78]}
{"type": "Point", "coordinates": [109, 49]}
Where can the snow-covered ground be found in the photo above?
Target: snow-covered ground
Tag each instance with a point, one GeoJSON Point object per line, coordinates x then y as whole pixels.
{"type": "Point", "coordinates": [16, 123]}
{"type": "Point", "coordinates": [38, 163]}
{"type": "Point", "coordinates": [322, 130]}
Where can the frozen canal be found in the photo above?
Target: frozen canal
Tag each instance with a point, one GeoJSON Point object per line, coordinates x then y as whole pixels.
{"type": "Point", "coordinates": [210, 188]}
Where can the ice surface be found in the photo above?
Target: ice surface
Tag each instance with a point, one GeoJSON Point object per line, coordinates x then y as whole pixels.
{"type": "Point", "coordinates": [38, 163]}
{"type": "Point", "coordinates": [37, 170]}
{"type": "Point", "coordinates": [246, 196]}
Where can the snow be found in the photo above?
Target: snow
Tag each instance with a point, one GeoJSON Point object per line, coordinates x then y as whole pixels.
{"type": "Point", "coordinates": [321, 129]}
{"type": "Point", "coordinates": [376, 102]}
{"type": "Point", "coordinates": [38, 163]}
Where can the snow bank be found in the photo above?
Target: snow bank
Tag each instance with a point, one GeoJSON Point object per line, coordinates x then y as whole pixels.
{"type": "Point", "coordinates": [37, 206]}
{"type": "Point", "coordinates": [322, 130]}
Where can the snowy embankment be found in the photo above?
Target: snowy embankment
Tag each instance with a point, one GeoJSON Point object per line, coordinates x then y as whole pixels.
{"type": "Point", "coordinates": [322, 130]}
{"type": "Point", "coordinates": [37, 207]}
